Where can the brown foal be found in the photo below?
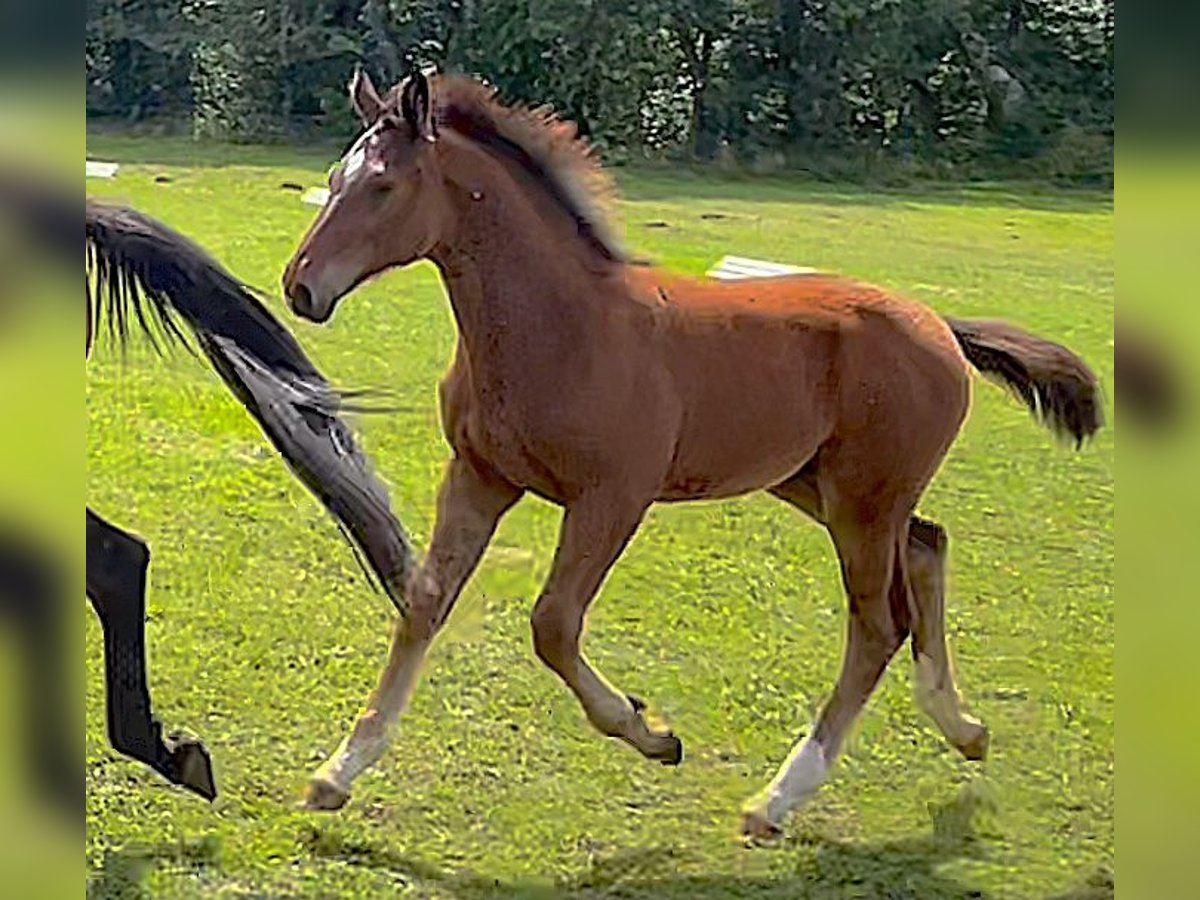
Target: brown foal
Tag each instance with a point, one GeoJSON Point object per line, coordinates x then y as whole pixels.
{"type": "Point", "coordinates": [605, 386]}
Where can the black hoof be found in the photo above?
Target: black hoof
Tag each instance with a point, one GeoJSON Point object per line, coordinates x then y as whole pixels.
{"type": "Point", "coordinates": [674, 755]}
{"type": "Point", "coordinates": [191, 766]}
{"type": "Point", "coordinates": [636, 702]}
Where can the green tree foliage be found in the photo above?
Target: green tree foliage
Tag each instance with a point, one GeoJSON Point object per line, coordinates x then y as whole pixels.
{"type": "Point", "coordinates": [936, 82]}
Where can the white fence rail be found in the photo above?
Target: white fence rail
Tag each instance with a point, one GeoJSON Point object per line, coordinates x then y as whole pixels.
{"type": "Point", "coordinates": [96, 169]}
{"type": "Point", "coordinates": [738, 268]}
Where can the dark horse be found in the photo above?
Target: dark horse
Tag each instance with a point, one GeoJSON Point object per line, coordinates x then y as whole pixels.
{"type": "Point", "coordinates": [606, 387]}
{"type": "Point", "coordinates": [140, 271]}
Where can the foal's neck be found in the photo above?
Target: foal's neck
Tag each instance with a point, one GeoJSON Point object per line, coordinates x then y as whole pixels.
{"type": "Point", "coordinates": [522, 287]}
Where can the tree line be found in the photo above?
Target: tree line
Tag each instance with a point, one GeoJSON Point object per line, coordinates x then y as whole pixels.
{"type": "Point", "coordinates": [939, 84]}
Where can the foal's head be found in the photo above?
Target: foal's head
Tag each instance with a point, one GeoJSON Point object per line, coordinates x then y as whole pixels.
{"type": "Point", "coordinates": [390, 204]}
{"type": "Point", "coordinates": [387, 202]}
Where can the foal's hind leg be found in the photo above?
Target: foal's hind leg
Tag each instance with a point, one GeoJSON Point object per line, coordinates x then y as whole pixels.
{"type": "Point", "coordinates": [874, 575]}
{"type": "Point", "coordinates": [936, 693]}
{"type": "Point", "coordinates": [595, 530]}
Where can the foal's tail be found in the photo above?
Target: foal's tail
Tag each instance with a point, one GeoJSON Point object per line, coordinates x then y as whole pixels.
{"type": "Point", "coordinates": [1056, 385]}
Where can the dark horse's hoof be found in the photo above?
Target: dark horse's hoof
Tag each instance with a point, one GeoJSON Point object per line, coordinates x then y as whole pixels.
{"type": "Point", "coordinates": [674, 754]}
{"type": "Point", "coordinates": [191, 766]}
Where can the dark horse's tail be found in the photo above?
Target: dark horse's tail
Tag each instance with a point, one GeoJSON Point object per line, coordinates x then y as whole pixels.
{"type": "Point", "coordinates": [1056, 385]}
{"type": "Point", "coordinates": [140, 271]}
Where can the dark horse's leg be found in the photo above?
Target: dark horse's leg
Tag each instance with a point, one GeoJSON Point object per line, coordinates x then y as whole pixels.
{"type": "Point", "coordinates": [33, 597]}
{"type": "Point", "coordinates": [116, 585]}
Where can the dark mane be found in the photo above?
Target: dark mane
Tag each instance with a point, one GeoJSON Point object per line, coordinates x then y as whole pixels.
{"type": "Point", "coordinates": [537, 141]}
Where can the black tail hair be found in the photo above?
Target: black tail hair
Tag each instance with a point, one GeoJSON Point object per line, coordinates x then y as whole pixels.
{"type": "Point", "coordinates": [140, 270]}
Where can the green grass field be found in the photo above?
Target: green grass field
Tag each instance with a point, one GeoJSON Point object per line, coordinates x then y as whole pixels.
{"type": "Point", "coordinates": [728, 617]}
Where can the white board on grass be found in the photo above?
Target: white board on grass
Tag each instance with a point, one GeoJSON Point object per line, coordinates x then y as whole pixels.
{"type": "Point", "coordinates": [738, 268]}
{"type": "Point", "coordinates": [96, 169]}
{"type": "Point", "coordinates": [315, 196]}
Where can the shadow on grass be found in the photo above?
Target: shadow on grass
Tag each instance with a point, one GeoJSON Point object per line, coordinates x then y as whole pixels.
{"type": "Point", "coordinates": [1100, 885]}
{"type": "Point", "coordinates": [809, 865]}
{"type": "Point", "coordinates": [821, 868]}
{"type": "Point", "coordinates": [826, 869]}
{"type": "Point", "coordinates": [812, 866]}
{"type": "Point", "coordinates": [122, 872]}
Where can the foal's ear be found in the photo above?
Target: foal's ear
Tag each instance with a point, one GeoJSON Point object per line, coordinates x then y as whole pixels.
{"type": "Point", "coordinates": [416, 107]}
{"type": "Point", "coordinates": [364, 98]}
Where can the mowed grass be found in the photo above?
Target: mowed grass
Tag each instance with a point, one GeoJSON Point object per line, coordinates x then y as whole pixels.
{"type": "Point", "coordinates": [728, 617]}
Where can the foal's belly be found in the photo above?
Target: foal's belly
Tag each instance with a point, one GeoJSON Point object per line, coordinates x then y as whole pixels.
{"type": "Point", "coordinates": [758, 404]}
{"type": "Point", "coordinates": [747, 444]}
{"type": "Point", "coordinates": [715, 471]}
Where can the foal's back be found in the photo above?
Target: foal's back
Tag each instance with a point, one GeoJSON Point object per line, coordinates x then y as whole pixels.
{"type": "Point", "coordinates": [767, 370]}
{"type": "Point", "coordinates": [813, 303]}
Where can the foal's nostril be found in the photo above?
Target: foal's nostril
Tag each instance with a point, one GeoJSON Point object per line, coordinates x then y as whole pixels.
{"type": "Point", "coordinates": [301, 298]}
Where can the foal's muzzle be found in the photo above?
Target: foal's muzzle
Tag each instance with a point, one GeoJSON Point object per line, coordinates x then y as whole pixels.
{"type": "Point", "coordinates": [301, 298]}
{"type": "Point", "coordinates": [299, 294]}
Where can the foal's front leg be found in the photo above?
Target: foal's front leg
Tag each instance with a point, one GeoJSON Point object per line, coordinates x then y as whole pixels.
{"type": "Point", "coordinates": [595, 530]}
{"type": "Point", "coordinates": [470, 504]}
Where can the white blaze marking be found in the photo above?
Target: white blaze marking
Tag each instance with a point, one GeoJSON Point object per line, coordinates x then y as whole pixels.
{"type": "Point", "coordinates": [349, 165]}
{"type": "Point", "coordinates": [352, 163]}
